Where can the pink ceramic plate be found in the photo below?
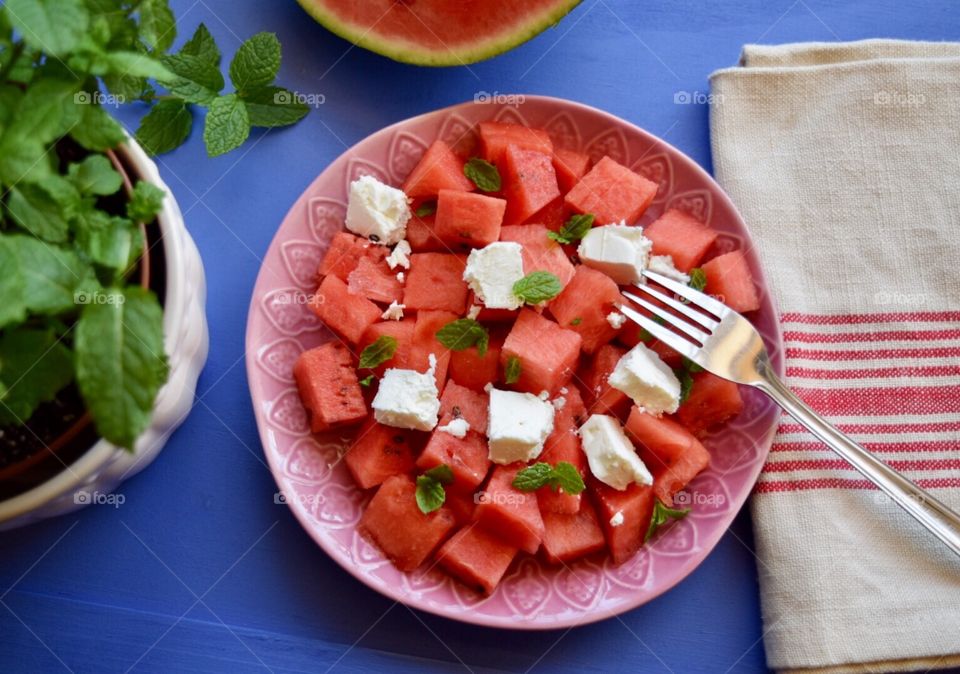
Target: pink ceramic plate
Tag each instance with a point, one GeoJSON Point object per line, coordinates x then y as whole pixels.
{"type": "Point", "coordinates": [319, 489]}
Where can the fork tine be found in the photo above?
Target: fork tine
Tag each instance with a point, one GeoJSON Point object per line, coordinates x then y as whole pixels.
{"type": "Point", "coordinates": [695, 297]}
{"type": "Point", "coordinates": [697, 316]}
{"type": "Point", "coordinates": [668, 337]}
{"type": "Point", "coordinates": [673, 321]}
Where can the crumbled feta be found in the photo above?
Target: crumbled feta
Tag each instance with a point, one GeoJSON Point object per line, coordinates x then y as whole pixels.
{"type": "Point", "coordinates": [400, 255]}
{"type": "Point", "coordinates": [394, 312]}
{"type": "Point", "coordinates": [610, 454]}
{"type": "Point", "coordinates": [564, 390]}
{"type": "Point", "coordinates": [617, 519]}
{"type": "Point", "coordinates": [616, 320]}
{"type": "Point", "coordinates": [619, 251]}
{"type": "Point", "coordinates": [647, 380]}
{"type": "Point", "coordinates": [377, 211]}
{"type": "Point", "coordinates": [518, 425]}
{"type": "Point", "coordinates": [456, 427]}
{"type": "Point", "coordinates": [663, 264]}
{"type": "Point", "coordinates": [408, 399]}
{"type": "Point", "coordinates": [559, 403]}
{"type": "Point", "coordinates": [544, 395]}
{"type": "Point", "coordinates": [474, 312]}
{"type": "Point", "coordinates": [491, 272]}
{"type": "Point", "coordinates": [401, 276]}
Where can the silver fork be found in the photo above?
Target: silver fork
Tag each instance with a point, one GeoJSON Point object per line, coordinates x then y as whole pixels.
{"type": "Point", "coordinates": [723, 342]}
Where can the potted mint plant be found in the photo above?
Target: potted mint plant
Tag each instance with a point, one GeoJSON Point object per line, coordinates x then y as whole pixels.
{"type": "Point", "coordinates": [102, 332]}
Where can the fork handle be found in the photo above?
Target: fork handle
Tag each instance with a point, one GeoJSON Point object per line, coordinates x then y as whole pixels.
{"type": "Point", "coordinates": [923, 506]}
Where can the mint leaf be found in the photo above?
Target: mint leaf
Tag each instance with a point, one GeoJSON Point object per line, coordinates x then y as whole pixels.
{"type": "Point", "coordinates": [52, 276]}
{"type": "Point", "coordinates": [576, 321]}
{"type": "Point", "coordinates": [227, 125]}
{"type": "Point", "coordinates": [661, 515]}
{"type": "Point", "coordinates": [442, 474]}
{"type": "Point", "coordinates": [145, 202]}
{"type": "Point", "coordinates": [430, 494]}
{"type": "Point", "coordinates": [426, 208]}
{"type": "Point", "coordinates": [567, 477]}
{"type": "Point", "coordinates": [158, 27]}
{"type": "Point", "coordinates": [513, 370]}
{"type": "Point", "coordinates": [13, 308]}
{"type": "Point", "coordinates": [46, 109]}
{"type": "Point", "coordinates": [686, 383]}
{"type": "Point", "coordinates": [129, 64]}
{"type": "Point", "coordinates": [203, 46]}
{"type": "Point", "coordinates": [533, 477]}
{"type": "Point", "coordinates": [96, 130]}
{"type": "Point", "coordinates": [378, 352]}
{"type": "Point", "coordinates": [195, 78]}
{"type": "Point", "coordinates": [483, 174]}
{"type": "Point", "coordinates": [698, 279]}
{"type": "Point", "coordinates": [537, 287]}
{"type": "Point", "coordinates": [110, 241]}
{"type": "Point", "coordinates": [691, 366]}
{"type": "Point", "coordinates": [95, 175]}
{"type": "Point", "coordinates": [367, 381]}
{"type": "Point", "coordinates": [462, 334]}
{"type": "Point", "coordinates": [23, 159]}
{"type": "Point", "coordinates": [120, 362]}
{"type": "Point", "coordinates": [34, 367]}
{"type": "Point", "coordinates": [52, 26]}
{"type": "Point", "coordinates": [256, 63]}
{"type": "Point", "coordinates": [45, 208]}
{"type": "Point", "coordinates": [165, 127]}
{"type": "Point", "coordinates": [273, 106]}
{"type": "Point", "coordinates": [573, 229]}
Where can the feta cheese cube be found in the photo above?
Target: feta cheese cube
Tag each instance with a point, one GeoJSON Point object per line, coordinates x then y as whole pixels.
{"type": "Point", "coordinates": [400, 256]}
{"type": "Point", "coordinates": [408, 399]}
{"type": "Point", "coordinates": [518, 425]}
{"type": "Point", "coordinates": [616, 320]}
{"type": "Point", "coordinates": [649, 382]}
{"type": "Point", "coordinates": [377, 211]}
{"type": "Point", "coordinates": [491, 272]}
{"type": "Point", "coordinates": [619, 251]}
{"type": "Point", "coordinates": [457, 427]}
{"type": "Point", "coordinates": [610, 454]}
{"type": "Point", "coordinates": [394, 312]}
{"type": "Point", "coordinates": [663, 264]}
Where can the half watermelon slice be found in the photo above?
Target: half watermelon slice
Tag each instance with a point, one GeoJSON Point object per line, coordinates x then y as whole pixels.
{"type": "Point", "coordinates": [438, 32]}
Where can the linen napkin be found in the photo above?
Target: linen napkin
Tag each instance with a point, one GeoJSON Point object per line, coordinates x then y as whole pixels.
{"type": "Point", "coordinates": [844, 160]}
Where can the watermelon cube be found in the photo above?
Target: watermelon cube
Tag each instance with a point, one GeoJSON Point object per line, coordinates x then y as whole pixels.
{"type": "Point", "coordinates": [476, 558]}
{"type": "Point", "coordinates": [329, 387]}
{"type": "Point", "coordinates": [540, 252]}
{"type": "Point", "coordinates": [345, 251]}
{"type": "Point", "coordinates": [468, 368]}
{"type": "Point", "coordinates": [612, 192]}
{"type": "Point", "coordinates": [635, 504]}
{"type": "Point", "coordinates": [394, 523]}
{"type": "Point", "coordinates": [548, 353]}
{"type": "Point", "coordinates": [570, 537]}
{"type": "Point", "coordinates": [601, 398]}
{"type": "Point", "coordinates": [508, 513]}
{"type": "Point", "coordinates": [435, 281]}
{"type": "Point", "coordinates": [680, 236]}
{"type": "Point", "coordinates": [468, 220]}
{"type": "Point", "coordinates": [671, 452]}
{"type": "Point", "coordinates": [570, 167]}
{"type": "Point", "coordinates": [466, 457]}
{"type": "Point", "coordinates": [438, 169]}
{"type": "Point", "coordinates": [422, 236]}
{"type": "Point", "coordinates": [711, 402]}
{"type": "Point", "coordinates": [563, 444]}
{"type": "Point", "coordinates": [496, 137]}
{"type": "Point", "coordinates": [461, 402]}
{"type": "Point", "coordinates": [729, 279]}
{"type": "Point", "coordinates": [425, 342]}
{"type": "Point", "coordinates": [346, 314]}
{"type": "Point", "coordinates": [488, 315]}
{"type": "Point", "coordinates": [375, 281]}
{"type": "Point", "coordinates": [402, 331]}
{"type": "Point", "coordinates": [552, 216]}
{"type": "Point", "coordinates": [529, 183]}
{"type": "Point", "coordinates": [584, 305]}
{"type": "Point", "coordinates": [378, 452]}
{"type": "Point", "coordinates": [462, 505]}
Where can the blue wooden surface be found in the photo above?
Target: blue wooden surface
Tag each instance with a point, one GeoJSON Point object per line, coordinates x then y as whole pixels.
{"type": "Point", "coordinates": [199, 570]}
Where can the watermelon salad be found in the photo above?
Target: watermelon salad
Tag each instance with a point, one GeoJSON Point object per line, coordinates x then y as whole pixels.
{"type": "Point", "coordinates": [499, 403]}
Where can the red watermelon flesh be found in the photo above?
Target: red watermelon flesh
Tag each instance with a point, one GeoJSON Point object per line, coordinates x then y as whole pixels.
{"type": "Point", "coordinates": [584, 305]}
{"type": "Point", "coordinates": [468, 368]}
{"type": "Point", "coordinates": [425, 342]}
{"type": "Point", "coordinates": [468, 220]}
{"type": "Point", "coordinates": [462, 505]}
{"type": "Point", "coordinates": [476, 558]}
{"type": "Point", "coordinates": [345, 251]}
{"type": "Point", "coordinates": [378, 452]}
{"type": "Point", "coordinates": [540, 252]}
{"type": "Point", "coordinates": [496, 137]}
{"type": "Point", "coordinates": [612, 192]}
{"type": "Point", "coordinates": [636, 505]}
{"type": "Point", "coordinates": [730, 280]}
{"type": "Point", "coordinates": [671, 452]}
{"type": "Point", "coordinates": [394, 523]}
{"type": "Point", "coordinates": [570, 537]}
{"type": "Point", "coordinates": [712, 401]}
{"type": "Point", "coordinates": [552, 216]}
{"type": "Point", "coordinates": [375, 281]}
{"type": "Point", "coordinates": [421, 235]}
{"type": "Point", "coordinates": [601, 398]}
{"type": "Point", "coordinates": [563, 445]}
{"type": "Point", "coordinates": [508, 513]}
{"type": "Point", "coordinates": [346, 314]}
{"type": "Point", "coordinates": [438, 169]}
{"type": "Point", "coordinates": [329, 387]}
{"type": "Point", "coordinates": [570, 167]}
{"type": "Point", "coordinates": [402, 331]}
{"type": "Point", "coordinates": [466, 457]}
{"type": "Point", "coordinates": [680, 236]}
{"type": "Point", "coordinates": [435, 281]}
{"type": "Point", "coordinates": [548, 353]}
{"type": "Point", "coordinates": [461, 402]}
{"type": "Point", "coordinates": [529, 183]}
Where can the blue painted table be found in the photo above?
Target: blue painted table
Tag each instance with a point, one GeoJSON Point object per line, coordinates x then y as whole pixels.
{"type": "Point", "coordinates": [199, 570]}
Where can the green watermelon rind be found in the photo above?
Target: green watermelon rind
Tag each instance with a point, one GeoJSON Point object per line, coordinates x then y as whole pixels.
{"type": "Point", "coordinates": [405, 53]}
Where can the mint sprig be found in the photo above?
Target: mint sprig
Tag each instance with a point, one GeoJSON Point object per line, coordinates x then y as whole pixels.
{"type": "Point", "coordinates": [483, 174]}
{"type": "Point", "coordinates": [661, 515]}
{"type": "Point", "coordinates": [537, 287]}
{"type": "Point", "coordinates": [698, 279]}
{"type": "Point", "coordinates": [378, 352]}
{"type": "Point", "coordinates": [573, 229]}
{"type": "Point", "coordinates": [462, 334]}
{"type": "Point", "coordinates": [430, 493]}
{"type": "Point", "coordinates": [564, 476]}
